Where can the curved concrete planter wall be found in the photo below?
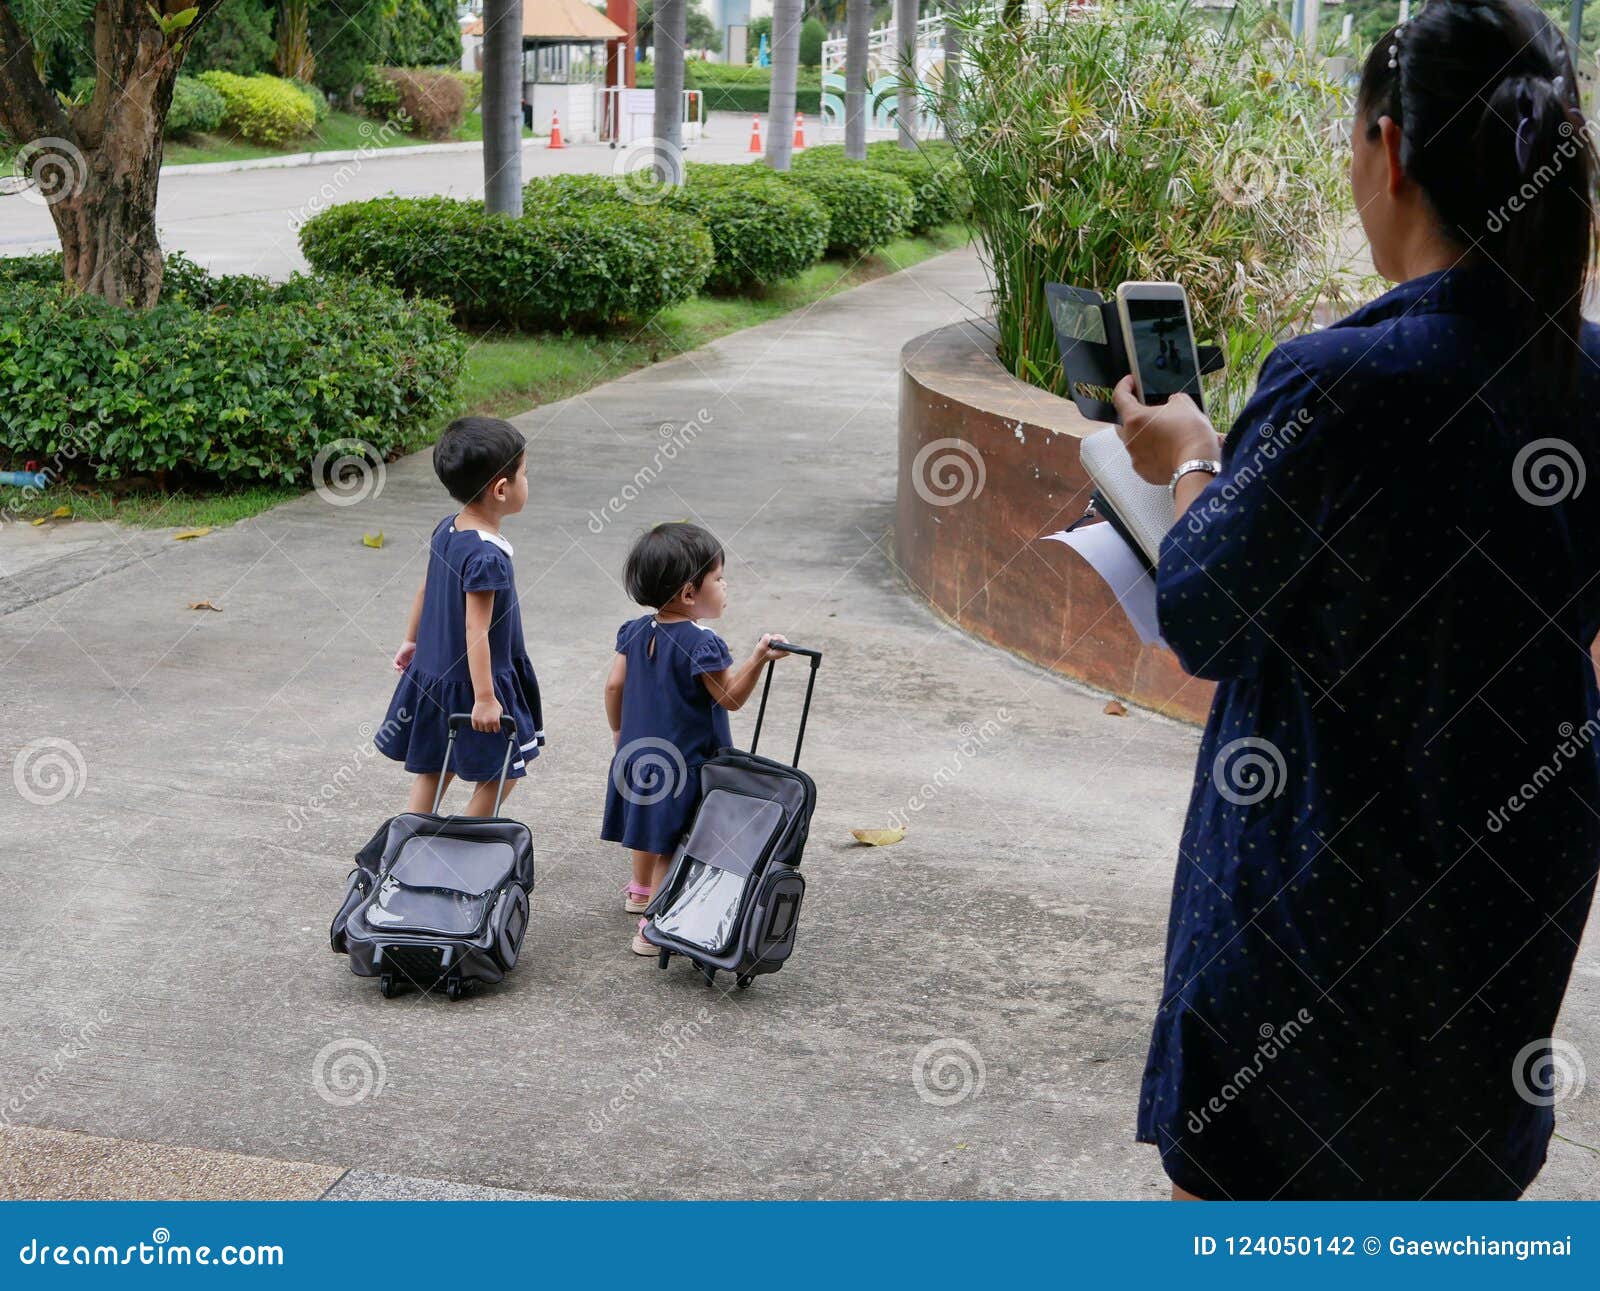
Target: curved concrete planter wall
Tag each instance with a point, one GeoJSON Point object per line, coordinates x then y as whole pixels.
{"type": "Point", "coordinates": [988, 465]}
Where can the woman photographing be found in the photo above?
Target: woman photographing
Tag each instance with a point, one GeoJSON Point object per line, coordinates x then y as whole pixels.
{"type": "Point", "coordinates": [1392, 570]}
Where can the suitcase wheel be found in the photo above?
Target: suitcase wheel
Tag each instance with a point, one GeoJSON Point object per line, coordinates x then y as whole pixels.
{"type": "Point", "coordinates": [710, 976]}
{"type": "Point", "coordinates": [663, 959]}
{"type": "Point", "coordinates": [455, 988]}
{"type": "Point", "coordinates": [744, 981]}
{"type": "Point", "coordinates": [386, 987]}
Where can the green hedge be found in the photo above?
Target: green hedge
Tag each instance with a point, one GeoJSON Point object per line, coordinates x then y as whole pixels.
{"type": "Point", "coordinates": [583, 267]}
{"type": "Point", "coordinates": [939, 189]}
{"type": "Point", "coordinates": [233, 379]}
{"type": "Point", "coordinates": [263, 109]}
{"type": "Point", "coordinates": [866, 208]}
{"type": "Point", "coordinates": [762, 229]}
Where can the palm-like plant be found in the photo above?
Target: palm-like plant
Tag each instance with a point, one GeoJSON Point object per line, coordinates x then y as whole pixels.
{"type": "Point", "coordinates": [1141, 141]}
{"type": "Point", "coordinates": [295, 59]}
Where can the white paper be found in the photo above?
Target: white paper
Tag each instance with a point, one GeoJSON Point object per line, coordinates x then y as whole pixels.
{"type": "Point", "coordinates": [1123, 570]}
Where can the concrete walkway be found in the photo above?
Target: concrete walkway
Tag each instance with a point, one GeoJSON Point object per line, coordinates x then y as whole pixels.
{"type": "Point", "coordinates": [247, 222]}
{"type": "Point", "coordinates": [967, 1013]}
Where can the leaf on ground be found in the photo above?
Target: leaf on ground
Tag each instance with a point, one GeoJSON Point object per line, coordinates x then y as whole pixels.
{"type": "Point", "coordinates": [39, 521]}
{"type": "Point", "coordinates": [372, 539]}
{"type": "Point", "coordinates": [61, 513]}
{"type": "Point", "coordinates": [879, 837]}
{"type": "Point", "coordinates": [183, 535]}
{"type": "Point", "coordinates": [1115, 708]}
{"type": "Point", "coordinates": [204, 605]}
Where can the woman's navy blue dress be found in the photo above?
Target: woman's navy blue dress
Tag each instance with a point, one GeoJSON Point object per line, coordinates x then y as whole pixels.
{"type": "Point", "coordinates": [670, 727]}
{"type": "Point", "coordinates": [438, 681]}
{"type": "Point", "coordinates": [1392, 843]}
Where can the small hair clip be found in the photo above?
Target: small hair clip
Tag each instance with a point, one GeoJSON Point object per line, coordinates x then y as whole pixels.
{"type": "Point", "coordinates": [1558, 84]}
{"type": "Point", "coordinates": [1394, 45]}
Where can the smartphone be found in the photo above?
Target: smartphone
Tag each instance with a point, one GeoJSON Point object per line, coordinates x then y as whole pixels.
{"type": "Point", "coordinates": [1159, 339]}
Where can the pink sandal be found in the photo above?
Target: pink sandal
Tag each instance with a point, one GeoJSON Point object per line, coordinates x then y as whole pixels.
{"type": "Point", "coordinates": [635, 897]}
{"type": "Point", "coordinates": [640, 945]}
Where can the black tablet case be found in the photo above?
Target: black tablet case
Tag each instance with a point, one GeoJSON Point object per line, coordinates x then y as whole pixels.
{"type": "Point", "coordinates": [1089, 336]}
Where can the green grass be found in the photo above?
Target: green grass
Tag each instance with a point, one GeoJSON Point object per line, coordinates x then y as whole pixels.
{"type": "Point", "coordinates": [508, 374]}
{"type": "Point", "coordinates": [339, 132]}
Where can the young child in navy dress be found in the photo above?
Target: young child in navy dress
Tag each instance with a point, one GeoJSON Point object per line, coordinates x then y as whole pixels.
{"type": "Point", "coordinates": [668, 696]}
{"type": "Point", "coordinates": [463, 649]}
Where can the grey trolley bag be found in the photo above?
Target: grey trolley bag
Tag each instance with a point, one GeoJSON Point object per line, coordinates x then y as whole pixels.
{"type": "Point", "coordinates": [731, 898]}
{"type": "Point", "coordinates": [439, 900]}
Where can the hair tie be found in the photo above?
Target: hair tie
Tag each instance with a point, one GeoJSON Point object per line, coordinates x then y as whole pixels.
{"type": "Point", "coordinates": [1525, 127]}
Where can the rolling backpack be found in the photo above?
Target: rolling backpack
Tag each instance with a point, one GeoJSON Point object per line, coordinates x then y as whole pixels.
{"type": "Point", "coordinates": [731, 898]}
{"type": "Point", "coordinates": [439, 901]}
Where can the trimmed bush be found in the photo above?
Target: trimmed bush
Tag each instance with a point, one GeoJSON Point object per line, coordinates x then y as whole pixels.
{"type": "Point", "coordinates": [939, 190]}
{"type": "Point", "coordinates": [262, 109]}
{"type": "Point", "coordinates": [472, 83]}
{"type": "Point", "coordinates": [425, 101]}
{"type": "Point", "coordinates": [591, 265]}
{"type": "Point", "coordinates": [319, 100]}
{"type": "Point", "coordinates": [762, 230]}
{"type": "Point", "coordinates": [226, 379]}
{"type": "Point", "coordinates": [434, 103]}
{"type": "Point", "coordinates": [866, 208]}
{"type": "Point", "coordinates": [380, 97]}
{"type": "Point", "coordinates": [196, 108]}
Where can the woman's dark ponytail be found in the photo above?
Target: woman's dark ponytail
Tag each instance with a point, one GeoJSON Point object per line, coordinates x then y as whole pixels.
{"type": "Point", "coordinates": [1486, 100]}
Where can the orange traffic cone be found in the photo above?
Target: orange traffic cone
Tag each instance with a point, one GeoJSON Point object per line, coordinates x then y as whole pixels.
{"type": "Point", "coordinates": [755, 134]}
{"type": "Point", "coordinates": [555, 131]}
{"type": "Point", "coordinates": [799, 132]}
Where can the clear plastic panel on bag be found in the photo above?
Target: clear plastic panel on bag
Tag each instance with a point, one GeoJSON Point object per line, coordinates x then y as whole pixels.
{"type": "Point", "coordinates": [706, 910]}
{"type": "Point", "coordinates": [730, 835]}
{"type": "Point", "coordinates": [440, 885]}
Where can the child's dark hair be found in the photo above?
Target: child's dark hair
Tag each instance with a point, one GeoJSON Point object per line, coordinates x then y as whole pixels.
{"type": "Point", "coordinates": [665, 559]}
{"type": "Point", "coordinates": [1486, 101]}
{"type": "Point", "coordinates": [474, 452]}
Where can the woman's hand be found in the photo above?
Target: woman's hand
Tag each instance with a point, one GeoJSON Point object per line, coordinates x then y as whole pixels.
{"type": "Point", "coordinates": [1163, 436]}
{"type": "Point", "coordinates": [404, 655]}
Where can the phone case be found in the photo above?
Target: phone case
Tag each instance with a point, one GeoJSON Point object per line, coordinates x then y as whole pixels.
{"type": "Point", "coordinates": [1089, 337]}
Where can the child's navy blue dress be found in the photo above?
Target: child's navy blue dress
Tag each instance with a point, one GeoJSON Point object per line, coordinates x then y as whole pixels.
{"type": "Point", "coordinates": [670, 726]}
{"type": "Point", "coordinates": [438, 681]}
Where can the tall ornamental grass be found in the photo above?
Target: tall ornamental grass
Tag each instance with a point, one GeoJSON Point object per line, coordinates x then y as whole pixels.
{"type": "Point", "coordinates": [1146, 140]}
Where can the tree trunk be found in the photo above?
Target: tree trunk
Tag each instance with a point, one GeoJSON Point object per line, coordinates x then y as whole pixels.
{"type": "Point", "coordinates": [97, 166]}
{"type": "Point", "coordinates": [786, 19]}
{"type": "Point", "coordinates": [905, 37]}
{"type": "Point", "coordinates": [502, 106]}
{"type": "Point", "coordinates": [857, 16]}
{"type": "Point", "coordinates": [669, 30]}
{"type": "Point", "coordinates": [952, 64]}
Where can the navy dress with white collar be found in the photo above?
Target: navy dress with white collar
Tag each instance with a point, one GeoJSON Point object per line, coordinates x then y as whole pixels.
{"type": "Point", "coordinates": [438, 681]}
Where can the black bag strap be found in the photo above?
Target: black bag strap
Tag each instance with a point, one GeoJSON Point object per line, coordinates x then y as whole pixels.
{"type": "Point", "coordinates": [815, 656]}
{"type": "Point", "coordinates": [457, 721]}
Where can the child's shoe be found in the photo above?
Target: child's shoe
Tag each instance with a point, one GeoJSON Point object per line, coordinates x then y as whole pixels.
{"type": "Point", "coordinates": [635, 897]}
{"type": "Point", "coordinates": [640, 945]}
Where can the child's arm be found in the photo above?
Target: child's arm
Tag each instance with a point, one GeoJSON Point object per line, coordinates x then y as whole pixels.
{"type": "Point", "coordinates": [408, 647]}
{"type": "Point", "coordinates": [732, 686]}
{"type": "Point", "coordinates": [614, 682]}
{"type": "Point", "coordinates": [485, 707]}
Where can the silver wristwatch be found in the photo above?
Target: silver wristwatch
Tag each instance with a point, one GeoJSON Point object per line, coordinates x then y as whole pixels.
{"type": "Point", "coordinates": [1210, 465]}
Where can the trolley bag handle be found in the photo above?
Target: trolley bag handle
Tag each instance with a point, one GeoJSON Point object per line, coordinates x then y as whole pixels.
{"type": "Point", "coordinates": [457, 720]}
{"type": "Point", "coordinates": [811, 680]}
